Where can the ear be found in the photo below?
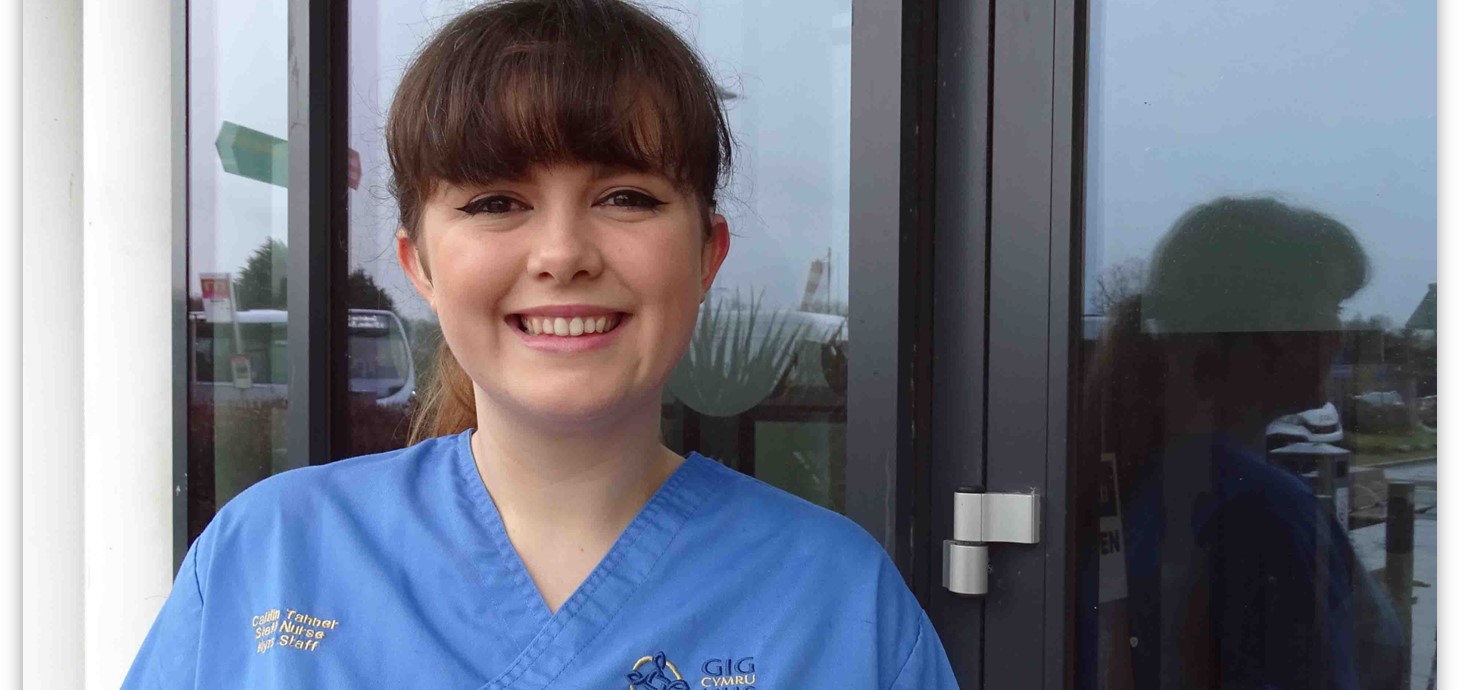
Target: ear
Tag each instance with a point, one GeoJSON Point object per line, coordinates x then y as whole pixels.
{"type": "Point", "coordinates": [410, 259]}
{"type": "Point", "coordinates": [712, 255]}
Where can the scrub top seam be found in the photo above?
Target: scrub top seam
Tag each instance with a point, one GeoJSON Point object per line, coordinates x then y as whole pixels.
{"type": "Point", "coordinates": [688, 511]}
{"type": "Point", "coordinates": [665, 498]}
{"type": "Point", "coordinates": [197, 583]}
{"type": "Point", "coordinates": [487, 513]}
{"type": "Point", "coordinates": [911, 652]}
{"type": "Point", "coordinates": [550, 632]}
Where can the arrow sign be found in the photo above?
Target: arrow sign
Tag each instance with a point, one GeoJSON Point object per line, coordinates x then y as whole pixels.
{"type": "Point", "coordinates": [250, 153]}
{"type": "Point", "coordinates": [253, 154]}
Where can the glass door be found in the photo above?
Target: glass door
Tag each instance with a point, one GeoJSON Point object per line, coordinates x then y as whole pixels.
{"type": "Point", "coordinates": [1256, 376]}
{"type": "Point", "coordinates": [1185, 295]}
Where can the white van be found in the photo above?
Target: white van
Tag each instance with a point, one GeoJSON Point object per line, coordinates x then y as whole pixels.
{"type": "Point", "coordinates": [379, 354]}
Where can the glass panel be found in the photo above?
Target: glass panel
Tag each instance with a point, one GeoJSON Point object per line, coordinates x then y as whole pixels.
{"type": "Point", "coordinates": [773, 403]}
{"type": "Point", "coordinates": [1257, 393]}
{"type": "Point", "coordinates": [237, 252]}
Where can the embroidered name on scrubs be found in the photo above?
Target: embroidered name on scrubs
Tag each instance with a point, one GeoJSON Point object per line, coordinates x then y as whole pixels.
{"type": "Point", "coordinates": [290, 629]}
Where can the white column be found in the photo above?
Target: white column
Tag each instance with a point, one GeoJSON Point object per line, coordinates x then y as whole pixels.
{"type": "Point", "coordinates": [51, 344]}
{"type": "Point", "coordinates": [127, 302]}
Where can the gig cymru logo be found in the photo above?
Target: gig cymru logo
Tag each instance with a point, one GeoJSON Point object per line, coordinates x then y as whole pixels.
{"type": "Point", "coordinates": [653, 673]}
{"type": "Point", "coordinates": [659, 673]}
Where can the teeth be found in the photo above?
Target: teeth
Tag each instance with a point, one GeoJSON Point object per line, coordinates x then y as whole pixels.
{"type": "Point", "coordinates": [568, 328]}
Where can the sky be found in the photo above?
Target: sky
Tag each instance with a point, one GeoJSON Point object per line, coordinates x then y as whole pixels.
{"type": "Point", "coordinates": [1328, 104]}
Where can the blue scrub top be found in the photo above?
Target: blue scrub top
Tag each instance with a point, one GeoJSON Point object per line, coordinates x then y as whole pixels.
{"type": "Point", "coordinates": [395, 571]}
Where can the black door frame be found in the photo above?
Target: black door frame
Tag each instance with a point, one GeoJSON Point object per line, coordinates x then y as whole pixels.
{"type": "Point", "coordinates": [1009, 185]}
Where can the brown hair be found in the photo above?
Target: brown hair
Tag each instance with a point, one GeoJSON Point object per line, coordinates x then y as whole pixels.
{"type": "Point", "coordinates": [509, 85]}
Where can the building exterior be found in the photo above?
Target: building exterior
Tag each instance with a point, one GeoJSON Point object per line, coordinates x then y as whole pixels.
{"type": "Point", "coordinates": [1091, 252]}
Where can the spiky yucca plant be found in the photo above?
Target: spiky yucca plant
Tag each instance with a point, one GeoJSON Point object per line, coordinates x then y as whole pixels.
{"type": "Point", "coordinates": [727, 370]}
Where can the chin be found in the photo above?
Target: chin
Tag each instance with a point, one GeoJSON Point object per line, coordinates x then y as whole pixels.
{"type": "Point", "coordinates": [574, 410]}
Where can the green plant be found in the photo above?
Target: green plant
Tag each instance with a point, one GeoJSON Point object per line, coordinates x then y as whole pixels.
{"type": "Point", "coordinates": [736, 357]}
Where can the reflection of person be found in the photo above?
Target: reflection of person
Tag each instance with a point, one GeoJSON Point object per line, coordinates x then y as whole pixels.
{"type": "Point", "coordinates": [555, 163]}
{"type": "Point", "coordinates": [1235, 576]}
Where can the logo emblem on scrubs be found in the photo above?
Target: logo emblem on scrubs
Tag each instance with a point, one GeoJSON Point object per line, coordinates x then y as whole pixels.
{"type": "Point", "coordinates": [653, 673]}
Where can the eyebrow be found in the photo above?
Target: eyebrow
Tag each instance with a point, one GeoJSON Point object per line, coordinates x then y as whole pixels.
{"type": "Point", "coordinates": [597, 172]}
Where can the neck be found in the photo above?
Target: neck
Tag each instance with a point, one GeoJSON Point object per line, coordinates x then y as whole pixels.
{"type": "Point", "coordinates": [587, 479]}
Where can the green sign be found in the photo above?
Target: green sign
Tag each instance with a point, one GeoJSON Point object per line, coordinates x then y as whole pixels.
{"type": "Point", "coordinates": [253, 154]}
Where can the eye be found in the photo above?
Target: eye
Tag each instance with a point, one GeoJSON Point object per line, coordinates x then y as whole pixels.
{"type": "Point", "coordinates": [631, 199]}
{"type": "Point", "coordinates": [494, 204]}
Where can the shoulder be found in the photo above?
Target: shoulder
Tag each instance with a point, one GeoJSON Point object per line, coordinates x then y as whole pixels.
{"type": "Point", "coordinates": [819, 565]}
{"type": "Point", "coordinates": [775, 517]}
{"type": "Point", "coordinates": [358, 478]}
{"type": "Point", "coordinates": [1262, 488]}
{"type": "Point", "coordinates": [301, 503]}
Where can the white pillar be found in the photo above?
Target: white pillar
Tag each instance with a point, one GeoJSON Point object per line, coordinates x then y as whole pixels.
{"type": "Point", "coordinates": [127, 155]}
{"type": "Point", "coordinates": [51, 343]}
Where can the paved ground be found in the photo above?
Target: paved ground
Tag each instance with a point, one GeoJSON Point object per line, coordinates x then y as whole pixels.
{"type": "Point", "coordinates": [1369, 545]}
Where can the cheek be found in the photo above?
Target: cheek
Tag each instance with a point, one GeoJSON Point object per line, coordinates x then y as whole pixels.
{"type": "Point", "coordinates": [668, 274]}
{"type": "Point", "coordinates": [469, 282]}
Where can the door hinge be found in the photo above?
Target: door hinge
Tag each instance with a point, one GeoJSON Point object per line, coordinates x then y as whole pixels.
{"type": "Point", "coordinates": [980, 519]}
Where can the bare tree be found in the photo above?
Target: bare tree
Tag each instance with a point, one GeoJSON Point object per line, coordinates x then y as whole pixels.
{"type": "Point", "coordinates": [1119, 281]}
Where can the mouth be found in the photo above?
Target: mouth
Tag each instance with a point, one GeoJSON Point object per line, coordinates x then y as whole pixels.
{"type": "Point", "coordinates": [567, 327]}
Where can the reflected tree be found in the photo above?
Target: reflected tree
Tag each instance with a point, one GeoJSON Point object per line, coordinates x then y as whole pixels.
{"type": "Point", "coordinates": [263, 282]}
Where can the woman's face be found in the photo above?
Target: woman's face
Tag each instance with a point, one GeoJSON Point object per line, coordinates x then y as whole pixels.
{"type": "Point", "coordinates": [568, 295]}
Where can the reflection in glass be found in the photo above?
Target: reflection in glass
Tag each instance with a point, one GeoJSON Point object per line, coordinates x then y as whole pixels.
{"type": "Point", "coordinates": [1257, 389]}
{"type": "Point", "coordinates": [763, 386]}
{"type": "Point", "coordinates": [237, 256]}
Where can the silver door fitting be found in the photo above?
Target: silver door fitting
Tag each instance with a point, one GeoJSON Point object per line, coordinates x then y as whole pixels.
{"type": "Point", "coordinates": [980, 519]}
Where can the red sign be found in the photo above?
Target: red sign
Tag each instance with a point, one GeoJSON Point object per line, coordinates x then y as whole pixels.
{"type": "Point", "coordinates": [354, 173]}
{"type": "Point", "coordinates": [215, 286]}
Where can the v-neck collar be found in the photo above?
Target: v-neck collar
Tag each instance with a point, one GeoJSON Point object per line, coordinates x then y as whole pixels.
{"type": "Point", "coordinates": [550, 641]}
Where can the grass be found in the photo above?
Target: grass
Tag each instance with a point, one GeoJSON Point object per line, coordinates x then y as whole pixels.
{"type": "Point", "coordinates": [1369, 449]}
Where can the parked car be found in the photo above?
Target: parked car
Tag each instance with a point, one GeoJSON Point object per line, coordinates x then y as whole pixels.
{"type": "Point", "coordinates": [1318, 425]}
{"type": "Point", "coordinates": [1378, 398]}
{"type": "Point", "coordinates": [1377, 412]}
{"type": "Point", "coordinates": [380, 366]}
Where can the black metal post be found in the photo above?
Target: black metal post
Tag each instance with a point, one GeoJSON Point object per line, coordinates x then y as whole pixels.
{"type": "Point", "coordinates": [1322, 581]}
{"type": "Point", "coordinates": [1399, 565]}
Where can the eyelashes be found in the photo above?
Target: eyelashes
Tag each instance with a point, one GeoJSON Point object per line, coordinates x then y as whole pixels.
{"type": "Point", "coordinates": [499, 204]}
{"type": "Point", "coordinates": [495, 204]}
{"type": "Point", "coordinates": [631, 198]}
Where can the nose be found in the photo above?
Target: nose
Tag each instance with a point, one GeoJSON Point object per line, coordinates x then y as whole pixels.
{"type": "Point", "coordinates": [565, 248]}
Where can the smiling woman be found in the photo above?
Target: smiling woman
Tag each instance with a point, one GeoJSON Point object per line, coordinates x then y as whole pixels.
{"type": "Point", "coordinates": [556, 244]}
{"type": "Point", "coordinates": [555, 164]}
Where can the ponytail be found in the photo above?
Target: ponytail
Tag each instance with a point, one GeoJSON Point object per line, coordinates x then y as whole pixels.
{"type": "Point", "coordinates": [448, 405]}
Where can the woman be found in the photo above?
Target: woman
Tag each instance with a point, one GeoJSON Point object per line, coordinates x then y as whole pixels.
{"type": "Point", "coordinates": [555, 164]}
{"type": "Point", "coordinates": [1232, 572]}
